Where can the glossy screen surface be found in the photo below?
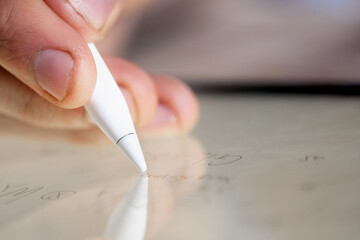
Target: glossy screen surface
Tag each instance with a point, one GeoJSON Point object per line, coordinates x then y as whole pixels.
{"type": "Point", "coordinates": [256, 167]}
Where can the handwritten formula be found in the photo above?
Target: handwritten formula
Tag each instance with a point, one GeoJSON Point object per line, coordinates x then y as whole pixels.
{"type": "Point", "coordinates": [12, 193]}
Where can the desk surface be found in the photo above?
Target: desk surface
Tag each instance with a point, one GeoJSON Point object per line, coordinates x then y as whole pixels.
{"type": "Point", "coordinates": [256, 167]}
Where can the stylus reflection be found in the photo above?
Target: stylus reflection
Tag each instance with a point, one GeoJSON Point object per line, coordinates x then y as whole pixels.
{"type": "Point", "coordinates": [128, 221]}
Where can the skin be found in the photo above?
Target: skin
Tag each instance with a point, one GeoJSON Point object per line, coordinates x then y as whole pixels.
{"type": "Point", "coordinates": [38, 36]}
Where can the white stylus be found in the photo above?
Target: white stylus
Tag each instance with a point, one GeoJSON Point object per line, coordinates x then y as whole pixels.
{"type": "Point", "coordinates": [108, 108]}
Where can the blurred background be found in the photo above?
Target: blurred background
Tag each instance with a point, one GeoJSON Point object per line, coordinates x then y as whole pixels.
{"type": "Point", "coordinates": [245, 42]}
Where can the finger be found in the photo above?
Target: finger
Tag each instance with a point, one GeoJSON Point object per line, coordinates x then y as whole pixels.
{"type": "Point", "coordinates": [178, 108]}
{"type": "Point", "coordinates": [140, 86]}
{"type": "Point", "coordinates": [91, 18]}
{"type": "Point", "coordinates": [45, 53]}
{"type": "Point", "coordinates": [20, 102]}
{"type": "Point", "coordinates": [10, 127]}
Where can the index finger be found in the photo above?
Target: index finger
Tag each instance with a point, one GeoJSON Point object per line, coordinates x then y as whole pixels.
{"type": "Point", "coordinates": [91, 18]}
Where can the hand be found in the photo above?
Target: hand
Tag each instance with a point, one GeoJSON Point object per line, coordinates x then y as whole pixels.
{"type": "Point", "coordinates": [47, 72]}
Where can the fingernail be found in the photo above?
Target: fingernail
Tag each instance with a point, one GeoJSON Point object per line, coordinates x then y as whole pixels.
{"type": "Point", "coordinates": [52, 70]}
{"type": "Point", "coordinates": [164, 119]}
{"type": "Point", "coordinates": [95, 12]}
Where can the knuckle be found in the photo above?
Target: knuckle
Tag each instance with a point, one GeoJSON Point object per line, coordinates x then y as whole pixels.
{"type": "Point", "coordinates": [28, 107]}
{"type": "Point", "coordinates": [6, 17]}
{"type": "Point", "coordinates": [36, 110]}
{"type": "Point", "coordinates": [6, 13]}
{"type": "Point", "coordinates": [13, 33]}
{"type": "Point", "coordinates": [17, 100]}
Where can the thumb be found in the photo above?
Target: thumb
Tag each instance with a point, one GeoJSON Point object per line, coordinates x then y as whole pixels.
{"type": "Point", "coordinates": [45, 53]}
